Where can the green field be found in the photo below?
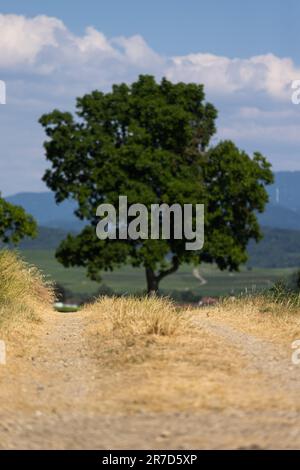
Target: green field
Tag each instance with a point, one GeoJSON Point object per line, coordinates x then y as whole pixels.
{"type": "Point", "coordinates": [130, 280]}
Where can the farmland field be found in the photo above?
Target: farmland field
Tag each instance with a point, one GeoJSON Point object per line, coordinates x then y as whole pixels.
{"type": "Point", "coordinates": [132, 280]}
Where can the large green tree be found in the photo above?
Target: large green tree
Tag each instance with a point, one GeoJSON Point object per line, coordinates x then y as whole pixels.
{"type": "Point", "coordinates": [15, 224]}
{"type": "Point", "coordinates": [150, 142]}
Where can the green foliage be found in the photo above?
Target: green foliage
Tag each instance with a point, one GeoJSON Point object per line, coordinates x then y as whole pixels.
{"type": "Point", "coordinates": [283, 294]}
{"type": "Point", "coordinates": [235, 185]}
{"type": "Point", "coordinates": [150, 142]}
{"type": "Point", "coordinates": [15, 224]}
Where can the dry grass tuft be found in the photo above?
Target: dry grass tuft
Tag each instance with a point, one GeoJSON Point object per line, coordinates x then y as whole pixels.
{"type": "Point", "coordinates": [138, 317]}
{"type": "Point", "coordinates": [127, 330]}
{"type": "Point", "coordinates": [24, 293]}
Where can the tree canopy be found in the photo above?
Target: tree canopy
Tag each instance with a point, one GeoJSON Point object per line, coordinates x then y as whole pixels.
{"type": "Point", "coordinates": [151, 142]}
{"type": "Point", "coordinates": [15, 224]}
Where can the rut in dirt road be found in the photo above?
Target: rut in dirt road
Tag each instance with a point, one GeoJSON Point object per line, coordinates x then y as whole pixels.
{"type": "Point", "coordinates": [65, 354]}
{"type": "Point", "coordinates": [51, 399]}
{"type": "Point", "coordinates": [54, 383]}
{"type": "Point", "coordinates": [270, 359]}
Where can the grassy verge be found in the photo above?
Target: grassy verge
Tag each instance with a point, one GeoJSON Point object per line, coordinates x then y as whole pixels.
{"type": "Point", "coordinates": [273, 315]}
{"type": "Point", "coordinates": [24, 295]}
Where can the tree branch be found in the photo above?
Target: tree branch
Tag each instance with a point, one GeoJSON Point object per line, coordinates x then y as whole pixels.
{"type": "Point", "coordinates": [172, 269]}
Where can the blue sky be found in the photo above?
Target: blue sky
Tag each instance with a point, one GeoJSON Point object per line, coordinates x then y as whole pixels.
{"type": "Point", "coordinates": [246, 54]}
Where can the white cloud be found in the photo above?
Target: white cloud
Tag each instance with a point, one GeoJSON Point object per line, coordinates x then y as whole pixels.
{"type": "Point", "coordinates": [47, 66]}
{"type": "Point", "coordinates": [46, 46]}
{"type": "Point", "coordinates": [265, 73]}
{"type": "Point", "coordinates": [137, 52]}
{"type": "Point", "coordinates": [22, 39]}
{"type": "Point", "coordinates": [93, 42]}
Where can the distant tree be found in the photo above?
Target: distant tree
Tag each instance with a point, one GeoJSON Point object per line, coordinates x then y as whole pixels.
{"type": "Point", "coordinates": [150, 142]}
{"type": "Point", "coordinates": [15, 224]}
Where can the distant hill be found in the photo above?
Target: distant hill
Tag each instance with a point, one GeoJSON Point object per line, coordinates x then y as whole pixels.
{"type": "Point", "coordinates": [47, 239]}
{"type": "Point", "coordinates": [285, 192]}
{"type": "Point", "coordinates": [280, 217]}
{"type": "Point", "coordinates": [278, 249]}
{"type": "Point", "coordinates": [282, 212]}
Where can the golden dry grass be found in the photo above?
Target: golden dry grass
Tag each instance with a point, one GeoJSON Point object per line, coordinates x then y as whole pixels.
{"type": "Point", "coordinates": [126, 328]}
{"type": "Point", "coordinates": [24, 294]}
{"type": "Point", "coordinates": [25, 298]}
{"type": "Point", "coordinates": [261, 316]}
{"type": "Point", "coordinates": [152, 357]}
{"type": "Point", "coordinates": [137, 316]}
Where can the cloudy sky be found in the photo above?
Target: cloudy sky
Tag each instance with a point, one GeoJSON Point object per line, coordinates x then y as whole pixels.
{"type": "Point", "coordinates": [247, 55]}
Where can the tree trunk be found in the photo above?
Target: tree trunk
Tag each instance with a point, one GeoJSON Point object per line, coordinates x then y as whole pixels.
{"type": "Point", "coordinates": [152, 281]}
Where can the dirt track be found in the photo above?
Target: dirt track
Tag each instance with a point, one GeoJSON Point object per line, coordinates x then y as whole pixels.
{"type": "Point", "coordinates": [52, 399]}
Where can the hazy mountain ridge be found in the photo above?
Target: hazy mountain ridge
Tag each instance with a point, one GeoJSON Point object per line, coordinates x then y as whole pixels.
{"type": "Point", "coordinates": [282, 212]}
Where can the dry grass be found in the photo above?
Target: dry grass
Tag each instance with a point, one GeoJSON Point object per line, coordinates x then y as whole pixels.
{"type": "Point", "coordinates": [138, 316]}
{"type": "Point", "coordinates": [24, 299]}
{"type": "Point", "coordinates": [152, 357]}
{"type": "Point", "coordinates": [24, 294]}
{"type": "Point", "coordinates": [127, 328]}
{"type": "Point", "coordinates": [261, 316]}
